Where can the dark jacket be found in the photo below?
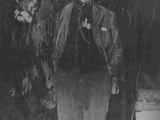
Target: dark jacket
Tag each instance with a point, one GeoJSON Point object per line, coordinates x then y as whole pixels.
{"type": "Point", "coordinates": [105, 34]}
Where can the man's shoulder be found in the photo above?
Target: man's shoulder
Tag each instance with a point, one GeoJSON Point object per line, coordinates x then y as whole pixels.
{"type": "Point", "coordinates": [67, 6]}
{"type": "Point", "coordinates": [66, 10]}
{"type": "Point", "coordinates": [104, 10]}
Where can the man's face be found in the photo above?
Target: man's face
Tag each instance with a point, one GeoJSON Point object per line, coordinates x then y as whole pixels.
{"type": "Point", "coordinates": [84, 1]}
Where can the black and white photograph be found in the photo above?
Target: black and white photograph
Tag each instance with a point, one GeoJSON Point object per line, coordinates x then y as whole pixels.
{"type": "Point", "coordinates": [79, 60]}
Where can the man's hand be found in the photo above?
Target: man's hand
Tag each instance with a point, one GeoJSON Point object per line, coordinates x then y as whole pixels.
{"type": "Point", "coordinates": [115, 87]}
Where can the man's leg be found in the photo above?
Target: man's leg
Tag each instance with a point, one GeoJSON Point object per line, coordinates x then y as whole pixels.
{"type": "Point", "coordinates": [99, 95]}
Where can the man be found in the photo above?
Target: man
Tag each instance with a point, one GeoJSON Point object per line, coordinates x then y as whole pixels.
{"type": "Point", "coordinates": [31, 37]}
{"type": "Point", "coordinates": [87, 54]}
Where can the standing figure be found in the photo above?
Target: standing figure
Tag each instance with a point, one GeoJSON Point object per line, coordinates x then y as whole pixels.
{"type": "Point", "coordinates": [86, 57]}
{"type": "Point", "coordinates": [38, 17]}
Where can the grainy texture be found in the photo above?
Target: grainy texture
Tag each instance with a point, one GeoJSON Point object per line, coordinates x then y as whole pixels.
{"type": "Point", "coordinates": [83, 98]}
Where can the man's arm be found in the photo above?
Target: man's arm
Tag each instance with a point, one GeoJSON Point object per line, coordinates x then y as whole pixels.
{"type": "Point", "coordinates": [61, 33]}
{"type": "Point", "coordinates": [115, 52]}
{"type": "Point", "coordinates": [115, 49]}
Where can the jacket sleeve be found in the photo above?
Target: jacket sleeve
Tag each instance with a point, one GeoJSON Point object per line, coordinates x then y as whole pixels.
{"type": "Point", "coordinates": [115, 48]}
{"type": "Point", "coordinates": [61, 32]}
